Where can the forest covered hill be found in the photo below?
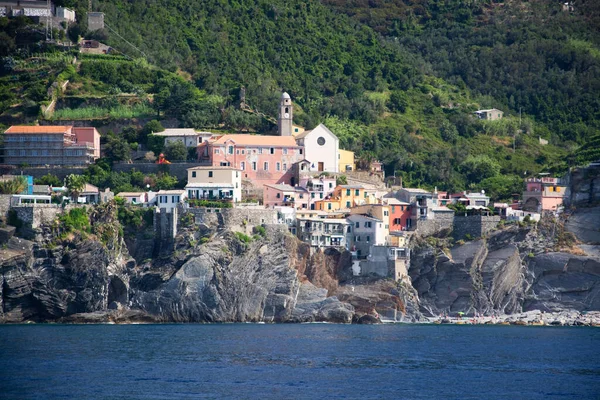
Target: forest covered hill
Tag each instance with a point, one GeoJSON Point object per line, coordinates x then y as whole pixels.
{"type": "Point", "coordinates": [397, 81]}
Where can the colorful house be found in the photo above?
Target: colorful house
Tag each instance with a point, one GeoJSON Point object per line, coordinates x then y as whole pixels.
{"type": "Point", "coordinates": [189, 137]}
{"type": "Point", "coordinates": [346, 161]}
{"type": "Point", "coordinates": [400, 215]}
{"type": "Point", "coordinates": [318, 187]}
{"type": "Point", "coordinates": [262, 159]}
{"type": "Point", "coordinates": [346, 196]}
{"type": "Point", "coordinates": [544, 194]}
{"type": "Point", "coordinates": [285, 195]}
{"type": "Point", "coordinates": [323, 232]}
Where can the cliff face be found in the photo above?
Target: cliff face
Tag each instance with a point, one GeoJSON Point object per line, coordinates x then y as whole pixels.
{"type": "Point", "coordinates": [62, 276]}
{"type": "Point", "coordinates": [509, 272]}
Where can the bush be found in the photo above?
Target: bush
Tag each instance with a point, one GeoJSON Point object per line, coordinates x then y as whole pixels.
{"type": "Point", "coordinates": [242, 237]}
{"type": "Point", "coordinates": [209, 203]}
{"type": "Point", "coordinates": [76, 219]}
{"type": "Point", "coordinates": [260, 230]}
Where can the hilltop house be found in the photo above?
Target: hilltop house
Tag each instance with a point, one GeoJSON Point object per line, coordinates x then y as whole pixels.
{"type": "Point", "coordinates": [285, 195]}
{"type": "Point", "coordinates": [321, 148]}
{"type": "Point", "coordinates": [323, 232]}
{"type": "Point", "coordinates": [367, 231]}
{"type": "Point", "coordinates": [489, 115]}
{"type": "Point", "coordinates": [345, 196]}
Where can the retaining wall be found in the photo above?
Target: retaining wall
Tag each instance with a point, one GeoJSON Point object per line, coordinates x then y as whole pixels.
{"type": "Point", "coordinates": [474, 225]}
{"type": "Point", "coordinates": [240, 220]}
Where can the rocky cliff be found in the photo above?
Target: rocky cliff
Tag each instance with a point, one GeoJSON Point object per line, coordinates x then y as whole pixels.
{"type": "Point", "coordinates": [221, 276]}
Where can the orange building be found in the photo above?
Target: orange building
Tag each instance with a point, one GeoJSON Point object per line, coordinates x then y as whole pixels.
{"type": "Point", "coordinates": [346, 196]}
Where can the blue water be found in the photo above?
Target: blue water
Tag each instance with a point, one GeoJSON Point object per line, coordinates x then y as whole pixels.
{"type": "Point", "coordinates": [298, 361]}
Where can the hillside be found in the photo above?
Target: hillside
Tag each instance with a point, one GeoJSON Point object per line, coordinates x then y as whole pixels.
{"type": "Point", "coordinates": [395, 82]}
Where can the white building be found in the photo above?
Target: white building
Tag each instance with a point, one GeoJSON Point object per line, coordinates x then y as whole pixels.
{"type": "Point", "coordinates": [321, 148]}
{"type": "Point", "coordinates": [212, 182]}
{"type": "Point", "coordinates": [66, 13]}
{"type": "Point", "coordinates": [366, 232]}
{"type": "Point", "coordinates": [170, 198]}
{"type": "Point", "coordinates": [189, 137]}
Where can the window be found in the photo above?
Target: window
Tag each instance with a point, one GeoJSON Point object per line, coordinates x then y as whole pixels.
{"type": "Point", "coordinates": [357, 192]}
{"type": "Point", "coordinates": [266, 166]}
{"type": "Point", "coordinates": [284, 151]}
{"type": "Point", "coordinates": [312, 195]}
{"type": "Point", "coordinates": [272, 150]}
{"type": "Point", "coordinates": [260, 150]}
{"type": "Point", "coordinates": [321, 141]}
{"type": "Point", "coordinates": [230, 149]}
{"type": "Point", "coordinates": [386, 213]}
{"type": "Point", "coordinates": [347, 204]}
{"type": "Point", "coordinates": [397, 221]}
{"type": "Point", "coordinates": [329, 206]}
{"type": "Point", "coordinates": [321, 195]}
{"type": "Point", "coordinates": [242, 165]}
{"type": "Point", "coordinates": [253, 165]}
{"type": "Point", "coordinates": [193, 174]}
{"type": "Point", "coordinates": [357, 224]}
{"type": "Point", "coordinates": [393, 209]}
{"type": "Point", "coordinates": [300, 151]}
{"type": "Point", "coordinates": [278, 195]}
{"type": "Point", "coordinates": [357, 239]}
{"type": "Point", "coordinates": [237, 152]}
{"type": "Point", "coordinates": [278, 166]}
{"type": "Point", "coordinates": [368, 238]}
{"type": "Point", "coordinates": [172, 199]}
{"type": "Point", "coordinates": [347, 192]}
{"type": "Point", "coordinates": [210, 174]}
{"type": "Point", "coordinates": [387, 227]}
{"type": "Point", "coordinates": [284, 166]}
{"type": "Point", "coordinates": [216, 151]}
{"type": "Point", "coordinates": [367, 224]}
{"type": "Point", "coordinates": [330, 185]}
{"type": "Point", "coordinates": [243, 151]}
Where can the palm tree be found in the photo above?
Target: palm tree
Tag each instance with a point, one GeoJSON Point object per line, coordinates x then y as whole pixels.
{"type": "Point", "coordinates": [13, 186]}
{"type": "Point", "coordinates": [75, 185]}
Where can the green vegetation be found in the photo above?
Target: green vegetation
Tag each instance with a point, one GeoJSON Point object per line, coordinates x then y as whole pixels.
{"type": "Point", "coordinates": [121, 111]}
{"type": "Point", "coordinates": [209, 203]}
{"type": "Point", "coordinates": [260, 231]}
{"type": "Point", "coordinates": [242, 237]}
{"type": "Point", "coordinates": [135, 217]}
{"type": "Point", "coordinates": [76, 220]}
{"type": "Point", "coordinates": [13, 186]}
{"type": "Point", "coordinates": [395, 81]}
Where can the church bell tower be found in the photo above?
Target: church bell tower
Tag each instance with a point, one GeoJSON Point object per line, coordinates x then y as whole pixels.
{"type": "Point", "coordinates": [284, 122]}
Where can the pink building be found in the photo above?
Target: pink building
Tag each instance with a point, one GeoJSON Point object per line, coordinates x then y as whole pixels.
{"type": "Point", "coordinates": [88, 135]}
{"type": "Point", "coordinates": [544, 194]}
{"type": "Point", "coordinates": [285, 195]}
{"type": "Point", "coordinates": [262, 159]}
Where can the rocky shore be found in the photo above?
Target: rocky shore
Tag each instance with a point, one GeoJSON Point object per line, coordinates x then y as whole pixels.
{"type": "Point", "coordinates": [530, 318]}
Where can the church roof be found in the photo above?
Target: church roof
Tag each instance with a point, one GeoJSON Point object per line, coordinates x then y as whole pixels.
{"type": "Point", "coordinates": [285, 95]}
{"type": "Point", "coordinates": [257, 140]}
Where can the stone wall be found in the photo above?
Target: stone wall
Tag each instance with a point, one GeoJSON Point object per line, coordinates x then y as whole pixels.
{"type": "Point", "coordinates": [165, 228]}
{"type": "Point", "coordinates": [33, 216]}
{"type": "Point", "coordinates": [365, 177]}
{"type": "Point", "coordinates": [235, 219]}
{"type": "Point", "coordinates": [474, 225]}
{"type": "Point", "coordinates": [113, 125]}
{"type": "Point", "coordinates": [428, 227]}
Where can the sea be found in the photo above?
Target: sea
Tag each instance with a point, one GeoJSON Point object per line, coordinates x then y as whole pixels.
{"type": "Point", "coordinates": [298, 361]}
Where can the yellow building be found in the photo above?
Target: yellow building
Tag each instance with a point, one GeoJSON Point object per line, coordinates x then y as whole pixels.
{"type": "Point", "coordinates": [346, 161]}
{"type": "Point", "coordinates": [346, 196]}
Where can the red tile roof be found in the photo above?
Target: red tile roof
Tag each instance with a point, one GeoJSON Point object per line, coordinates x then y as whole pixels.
{"type": "Point", "coordinates": [46, 129]}
{"type": "Point", "coordinates": [258, 140]}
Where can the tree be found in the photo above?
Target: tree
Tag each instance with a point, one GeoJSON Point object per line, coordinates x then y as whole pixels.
{"type": "Point", "coordinates": [398, 101]}
{"type": "Point", "coordinates": [151, 127]}
{"type": "Point", "coordinates": [479, 168]}
{"type": "Point", "coordinates": [117, 149]}
{"type": "Point", "coordinates": [13, 186]}
{"type": "Point", "coordinates": [155, 143]}
{"type": "Point", "coordinates": [176, 151]}
{"type": "Point", "coordinates": [49, 179]}
{"type": "Point", "coordinates": [75, 185]}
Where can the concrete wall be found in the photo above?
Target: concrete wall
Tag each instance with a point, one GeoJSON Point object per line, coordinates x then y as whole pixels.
{"type": "Point", "coordinates": [474, 225]}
